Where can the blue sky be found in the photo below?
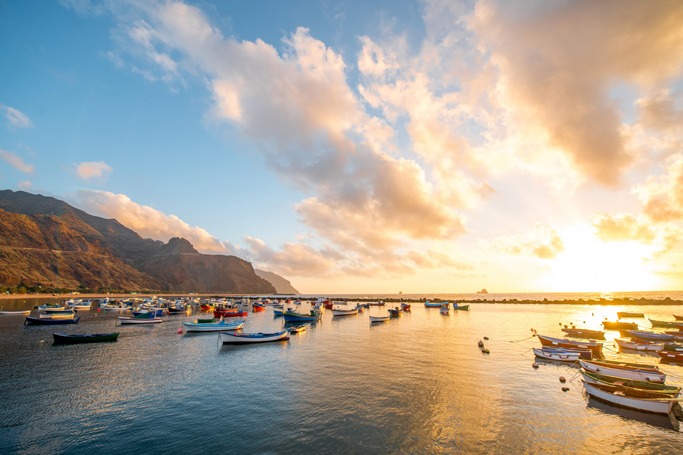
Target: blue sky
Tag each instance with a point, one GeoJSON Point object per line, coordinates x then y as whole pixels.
{"type": "Point", "coordinates": [431, 146]}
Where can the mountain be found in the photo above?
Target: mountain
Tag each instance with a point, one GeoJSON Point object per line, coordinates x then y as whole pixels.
{"type": "Point", "coordinates": [47, 242]}
{"type": "Point", "coordinates": [282, 286]}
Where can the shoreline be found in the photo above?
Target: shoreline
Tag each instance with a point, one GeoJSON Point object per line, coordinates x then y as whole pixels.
{"type": "Point", "coordinates": [601, 301]}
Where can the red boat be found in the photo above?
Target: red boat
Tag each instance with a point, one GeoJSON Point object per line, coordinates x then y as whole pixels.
{"type": "Point", "coordinates": [671, 356]}
{"type": "Point", "coordinates": [258, 308]}
{"type": "Point", "coordinates": [206, 307]}
{"type": "Point", "coordinates": [405, 307]}
{"type": "Point", "coordinates": [230, 313]}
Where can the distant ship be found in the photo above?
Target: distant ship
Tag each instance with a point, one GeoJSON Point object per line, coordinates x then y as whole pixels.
{"type": "Point", "coordinates": [482, 291]}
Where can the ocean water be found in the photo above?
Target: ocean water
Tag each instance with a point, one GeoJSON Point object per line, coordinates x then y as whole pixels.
{"type": "Point", "coordinates": [416, 384]}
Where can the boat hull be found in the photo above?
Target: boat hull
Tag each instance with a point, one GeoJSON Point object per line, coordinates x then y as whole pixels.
{"type": "Point", "coordinates": [15, 313]}
{"type": "Point", "coordinates": [619, 325]}
{"type": "Point", "coordinates": [584, 333]}
{"type": "Point", "coordinates": [636, 346]}
{"type": "Point", "coordinates": [655, 406]}
{"type": "Point", "coordinates": [594, 347]}
{"type": "Point", "coordinates": [45, 321]}
{"type": "Point", "coordinates": [558, 355]}
{"type": "Point", "coordinates": [649, 336]}
{"type": "Point", "coordinates": [252, 338]}
{"type": "Point", "coordinates": [63, 338]}
{"type": "Point", "coordinates": [379, 318]}
{"type": "Point", "coordinates": [625, 373]}
{"type": "Point", "coordinates": [134, 320]}
{"type": "Point", "coordinates": [212, 327]}
{"type": "Point", "coordinates": [230, 314]}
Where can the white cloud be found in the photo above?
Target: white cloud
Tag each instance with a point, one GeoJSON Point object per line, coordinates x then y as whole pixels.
{"type": "Point", "coordinates": [15, 118]}
{"type": "Point", "coordinates": [147, 221]}
{"type": "Point", "coordinates": [16, 162]}
{"type": "Point", "coordinates": [24, 185]}
{"type": "Point", "coordinates": [93, 169]}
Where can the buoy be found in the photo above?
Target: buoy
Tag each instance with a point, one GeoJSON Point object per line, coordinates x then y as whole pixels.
{"type": "Point", "coordinates": [535, 365]}
{"type": "Point", "coordinates": [486, 338]}
{"type": "Point", "coordinates": [565, 389]}
{"type": "Point", "coordinates": [480, 344]}
{"type": "Point", "coordinates": [180, 330]}
{"type": "Point", "coordinates": [42, 341]}
{"type": "Point", "coordinates": [562, 379]}
{"type": "Point", "coordinates": [485, 351]}
{"type": "Point", "coordinates": [99, 309]}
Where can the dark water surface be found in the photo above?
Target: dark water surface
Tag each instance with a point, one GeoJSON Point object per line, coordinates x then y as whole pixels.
{"type": "Point", "coordinates": [418, 384]}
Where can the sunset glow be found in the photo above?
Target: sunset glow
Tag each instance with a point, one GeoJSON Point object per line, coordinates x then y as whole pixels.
{"type": "Point", "coordinates": [428, 146]}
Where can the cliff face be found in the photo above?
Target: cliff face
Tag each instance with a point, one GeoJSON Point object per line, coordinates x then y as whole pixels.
{"type": "Point", "coordinates": [282, 286]}
{"type": "Point", "coordinates": [48, 242]}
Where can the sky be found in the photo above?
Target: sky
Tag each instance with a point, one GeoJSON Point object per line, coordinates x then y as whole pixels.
{"type": "Point", "coordinates": [364, 147]}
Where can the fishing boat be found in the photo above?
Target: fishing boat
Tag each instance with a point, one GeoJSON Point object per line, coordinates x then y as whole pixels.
{"type": "Point", "coordinates": [619, 325]}
{"type": "Point", "coordinates": [249, 338]}
{"type": "Point", "coordinates": [379, 319]}
{"type": "Point", "coordinates": [14, 313]}
{"type": "Point", "coordinates": [636, 345]}
{"type": "Point", "coordinates": [64, 338]}
{"type": "Point", "coordinates": [584, 333]}
{"type": "Point", "coordinates": [230, 313]}
{"type": "Point", "coordinates": [144, 318]}
{"type": "Point", "coordinates": [51, 306]}
{"type": "Point", "coordinates": [594, 346]}
{"type": "Point", "coordinates": [293, 316]}
{"type": "Point", "coordinates": [61, 314]}
{"type": "Point", "coordinates": [444, 310]}
{"type": "Point", "coordinates": [297, 329]}
{"type": "Point", "coordinates": [405, 307]}
{"type": "Point", "coordinates": [625, 370]}
{"type": "Point", "coordinates": [674, 324]}
{"type": "Point", "coordinates": [616, 395]}
{"type": "Point", "coordinates": [212, 326]}
{"type": "Point", "coordinates": [258, 307]}
{"type": "Point", "coordinates": [429, 304]}
{"type": "Point", "coordinates": [628, 314]}
{"type": "Point", "coordinates": [380, 303]}
{"type": "Point", "coordinates": [31, 320]}
{"type": "Point", "coordinates": [79, 305]}
{"type": "Point", "coordinates": [649, 336]}
{"type": "Point", "coordinates": [115, 307]}
{"type": "Point", "coordinates": [652, 387]}
{"type": "Point", "coordinates": [57, 310]}
{"type": "Point", "coordinates": [176, 310]}
{"type": "Point", "coordinates": [457, 306]}
{"type": "Point", "coordinates": [338, 312]}
{"type": "Point", "coordinates": [395, 312]}
{"type": "Point", "coordinates": [671, 357]}
{"type": "Point", "coordinates": [561, 355]}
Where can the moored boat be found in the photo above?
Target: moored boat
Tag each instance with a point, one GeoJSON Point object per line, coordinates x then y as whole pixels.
{"type": "Point", "coordinates": [395, 312]}
{"type": "Point", "coordinates": [649, 336]}
{"type": "Point", "coordinates": [584, 333]}
{"type": "Point", "coordinates": [297, 329]}
{"type": "Point", "coordinates": [337, 312]}
{"type": "Point", "coordinates": [14, 313]}
{"type": "Point", "coordinates": [457, 306]}
{"type": "Point", "coordinates": [444, 310]}
{"type": "Point", "coordinates": [628, 314]}
{"type": "Point", "coordinates": [144, 318]}
{"type": "Point", "coordinates": [249, 338]}
{"type": "Point", "coordinates": [594, 346]}
{"type": "Point", "coordinates": [230, 313]}
{"type": "Point", "coordinates": [429, 304]}
{"type": "Point", "coordinates": [619, 325]}
{"type": "Point", "coordinates": [561, 355]}
{"type": "Point", "coordinates": [405, 307]}
{"type": "Point", "coordinates": [79, 338]}
{"type": "Point", "coordinates": [625, 370]}
{"type": "Point", "coordinates": [674, 324]}
{"type": "Point", "coordinates": [616, 396]}
{"type": "Point", "coordinates": [636, 345]}
{"type": "Point", "coordinates": [379, 318]}
{"type": "Point", "coordinates": [30, 320]}
{"type": "Point", "coordinates": [595, 378]}
{"type": "Point", "coordinates": [671, 357]}
{"type": "Point", "coordinates": [293, 316]}
{"type": "Point", "coordinates": [212, 326]}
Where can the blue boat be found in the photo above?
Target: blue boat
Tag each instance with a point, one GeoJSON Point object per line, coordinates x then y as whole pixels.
{"type": "Point", "coordinates": [293, 316]}
{"type": "Point", "coordinates": [429, 304]}
{"type": "Point", "coordinates": [30, 320]}
{"type": "Point", "coordinates": [649, 336]}
{"type": "Point", "coordinates": [212, 326]}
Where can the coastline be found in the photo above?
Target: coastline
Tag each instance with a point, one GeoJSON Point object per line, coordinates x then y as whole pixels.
{"type": "Point", "coordinates": [544, 301]}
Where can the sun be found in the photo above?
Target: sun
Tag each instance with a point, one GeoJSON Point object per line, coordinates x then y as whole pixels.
{"type": "Point", "coordinates": [588, 264]}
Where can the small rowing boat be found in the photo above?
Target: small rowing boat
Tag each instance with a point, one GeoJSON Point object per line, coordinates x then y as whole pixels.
{"type": "Point", "coordinates": [584, 333]}
{"type": "Point", "coordinates": [625, 370]}
{"type": "Point", "coordinates": [395, 312]}
{"type": "Point", "coordinates": [30, 320]}
{"type": "Point", "coordinates": [558, 354]}
{"type": "Point", "coordinates": [671, 357]}
{"type": "Point", "coordinates": [619, 325]}
{"type": "Point", "coordinates": [595, 378]}
{"type": "Point", "coordinates": [636, 345]}
{"type": "Point", "coordinates": [617, 396]}
{"type": "Point", "coordinates": [429, 304]}
{"type": "Point", "coordinates": [212, 326]}
{"type": "Point", "coordinates": [297, 329]}
{"type": "Point", "coordinates": [293, 316]}
{"type": "Point", "coordinates": [457, 306]}
{"type": "Point", "coordinates": [649, 336]}
{"type": "Point", "coordinates": [338, 312]}
{"type": "Point", "coordinates": [628, 314]}
{"type": "Point", "coordinates": [14, 313]}
{"type": "Point", "coordinates": [64, 338]}
{"type": "Point", "coordinates": [674, 324]}
{"type": "Point", "coordinates": [379, 319]}
{"type": "Point", "coordinates": [143, 318]}
{"type": "Point", "coordinates": [250, 338]}
{"type": "Point", "coordinates": [594, 346]}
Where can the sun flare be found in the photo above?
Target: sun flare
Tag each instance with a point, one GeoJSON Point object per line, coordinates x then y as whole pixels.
{"type": "Point", "coordinates": [588, 264]}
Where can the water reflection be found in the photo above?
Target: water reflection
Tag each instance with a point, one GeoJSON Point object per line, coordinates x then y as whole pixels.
{"type": "Point", "coordinates": [659, 420]}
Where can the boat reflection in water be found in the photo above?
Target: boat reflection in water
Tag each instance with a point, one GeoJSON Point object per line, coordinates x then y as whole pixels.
{"type": "Point", "coordinates": [659, 420]}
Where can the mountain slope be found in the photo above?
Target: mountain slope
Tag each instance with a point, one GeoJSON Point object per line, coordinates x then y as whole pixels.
{"type": "Point", "coordinates": [282, 286]}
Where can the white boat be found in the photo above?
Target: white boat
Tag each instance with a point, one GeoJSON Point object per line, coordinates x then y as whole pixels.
{"type": "Point", "coordinates": [212, 326]}
{"type": "Point", "coordinates": [138, 320]}
{"type": "Point", "coordinates": [654, 405]}
{"type": "Point", "coordinates": [18, 312]}
{"type": "Point", "coordinates": [58, 315]}
{"type": "Point", "coordinates": [110, 307]}
{"type": "Point", "coordinates": [80, 305]}
{"type": "Point", "coordinates": [639, 346]}
{"type": "Point", "coordinates": [250, 338]}
{"type": "Point", "coordinates": [639, 372]}
{"type": "Point", "coordinates": [344, 312]}
{"type": "Point", "coordinates": [561, 355]}
{"type": "Point", "coordinates": [379, 318]}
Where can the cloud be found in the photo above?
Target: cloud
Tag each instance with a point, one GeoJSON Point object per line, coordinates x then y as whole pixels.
{"type": "Point", "coordinates": [544, 243]}
{"type": "Point", "coordinates": [558, 62]}
{"type": "Point", "coordinates": [147, 221]}
{"type": "Point", "coordinates": [15, 118]}
{"type": "Point", "coordinates": [16, 162]}
{"type": "Point", "coordinates": [92, 169]}
{"type": "Point", "coordinates": [662, 196]}
{"type": "Point", "coordinates": [622, 228]}
{"type": "Point", "coordinates": [24, 185]}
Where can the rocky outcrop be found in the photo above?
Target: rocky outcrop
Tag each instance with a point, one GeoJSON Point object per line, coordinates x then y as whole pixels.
{"type": "Point", "coordinates": [282, 286]}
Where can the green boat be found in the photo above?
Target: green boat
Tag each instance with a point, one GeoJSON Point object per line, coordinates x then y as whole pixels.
{"type": "Point", "coordinates": [205, 321]}
{"type": "Point", "coordinates": [649, 387]}
{"type": "Point", "coordinates": [64, 338]}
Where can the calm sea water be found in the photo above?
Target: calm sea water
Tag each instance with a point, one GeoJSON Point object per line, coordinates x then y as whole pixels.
{"type": "Point", "coordinates": [417, 384]}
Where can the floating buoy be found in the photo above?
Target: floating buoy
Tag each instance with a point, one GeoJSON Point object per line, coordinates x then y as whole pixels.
{"type": "Point", "coordinates": [180, 330]}
{"type": "Point", "coordinates": [486, 338]}
{"type": "Point", "coordinates": [565, 389]}
{"type": "Point", "coordinates": [562, 379]}
{"type": "Point", "coordinates": [560, 323]}
{"type": "Point", "coordinates": [480, 344]}
{"type": "Point", "coordinates": [535, 365]}
{"type": "Point", "coordinates": [485, 351]}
